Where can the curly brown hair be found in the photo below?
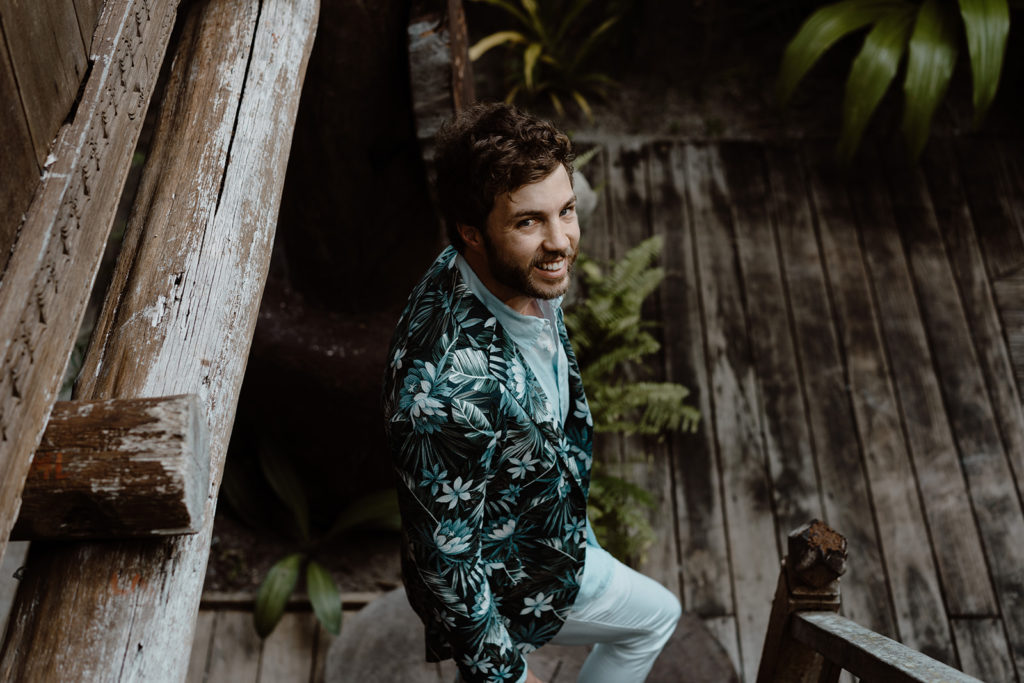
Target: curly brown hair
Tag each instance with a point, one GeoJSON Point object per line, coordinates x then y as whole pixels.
{"type": "Point", "coordinates": [489, 149]}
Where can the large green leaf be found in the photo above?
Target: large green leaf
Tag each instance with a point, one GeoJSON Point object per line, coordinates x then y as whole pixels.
{"type": "Point", "coordinates": [274, 591]}
{"type": "Point", "coordinates": [987, 24]}
{"type": "Point", "coordinates": [494, 40]}
{"type": "Point", "coordinates": [324, 596]}
{"type": "Point", "coordinates": [821, 31]}
{"type": "Point", "coordinates": [930, 62]}
{"type": "Point", "coordinates": [285, 482]}
{"type": "Point", "coordinates": [872, 72]}
{"type": "Point", "coordinates": [530, 56]}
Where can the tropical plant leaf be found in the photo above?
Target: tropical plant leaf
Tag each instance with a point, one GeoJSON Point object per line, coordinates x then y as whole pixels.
{"type": "Point", "coordinates": [530, 56]}
{"type": "Point", "coordinates": [820, 32]}
{"type": "Point", "coordinates": [568, 18]}
{"type": "Point", "coordinates": [872, 71]}
{"type": "Point", "coordinates": [274, 591]}
{"type": "Point", "coordinates": [581, 101]}
{"type": "Point", "coordinates": [930, 62]}
{"type": "Point", "coordinates": [324, 596]}
{"type": "Point", "coordinates": [987, 25]}
{"type": "Point", "coordinates": [380, 508]}
{"type": "Point", "coordinates": [285, 482]}
{"type": "Point", "coordinates": [494, 40]}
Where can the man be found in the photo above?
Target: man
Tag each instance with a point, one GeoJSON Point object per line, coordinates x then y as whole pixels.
{"type": "Point", "coordinates": [490, 430]}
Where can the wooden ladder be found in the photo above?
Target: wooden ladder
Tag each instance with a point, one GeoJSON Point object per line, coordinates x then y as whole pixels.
{"type": "Point", "coordinates": [167, 356]}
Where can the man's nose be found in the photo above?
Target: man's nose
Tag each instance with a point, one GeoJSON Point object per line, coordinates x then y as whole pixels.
{"type": "Point", "coordinates": [557, 237]}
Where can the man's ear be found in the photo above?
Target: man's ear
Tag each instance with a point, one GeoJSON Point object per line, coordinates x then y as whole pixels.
{"type": "Point", "coordinates": [471, 236]}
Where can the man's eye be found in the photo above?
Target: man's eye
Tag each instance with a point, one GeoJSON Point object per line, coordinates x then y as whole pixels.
{"type": "Point", "coordinates": [525, 223]}
{"type": "Point", "coordinates": [569, 210]}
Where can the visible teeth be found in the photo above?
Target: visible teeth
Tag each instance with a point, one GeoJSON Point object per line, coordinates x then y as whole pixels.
{"type": "Point", "coordinates": [552, 265]}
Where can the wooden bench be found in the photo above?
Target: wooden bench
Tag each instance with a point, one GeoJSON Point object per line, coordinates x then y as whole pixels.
{"type": "Point", "coordinates": [179, 315]}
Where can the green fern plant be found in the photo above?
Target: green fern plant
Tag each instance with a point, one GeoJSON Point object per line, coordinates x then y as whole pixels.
{"type": "Point", "coordinates": [611, 340]}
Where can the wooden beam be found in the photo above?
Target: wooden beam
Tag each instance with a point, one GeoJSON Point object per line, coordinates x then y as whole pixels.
{"type": "Point", "coordinates": [45, 288]}
{"type": "Point", "coordinates": [870, 655]}
{"type": "Point", "coordinates": [49, 59]}
{"type": "Point", "coordinates": [17, 158]}
{"type": "Point", "coordinates": [179, 318]}
{"type": "Point", "coordinates": [118, 468]}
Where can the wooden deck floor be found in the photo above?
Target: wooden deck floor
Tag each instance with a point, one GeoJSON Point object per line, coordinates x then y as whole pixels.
{"type": "Point", "coordinates": [856, 346]}
{"type": "Point", "coordinates": [850, 341]}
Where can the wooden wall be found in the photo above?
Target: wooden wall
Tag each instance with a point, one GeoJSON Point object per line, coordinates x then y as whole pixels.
{"type": "Point", "coordinates": [44, 55]}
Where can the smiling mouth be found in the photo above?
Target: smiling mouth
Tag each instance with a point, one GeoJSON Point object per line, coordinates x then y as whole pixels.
{"type": "Point", "coordinates": [552, 266]}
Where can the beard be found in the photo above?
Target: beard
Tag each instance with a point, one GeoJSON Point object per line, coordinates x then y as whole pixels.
{"type": "Point", "coordinates": [521, 279]}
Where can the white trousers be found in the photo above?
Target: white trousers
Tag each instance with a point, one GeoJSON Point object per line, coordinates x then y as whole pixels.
{"type": "Point", "coordinates": [627, 617]}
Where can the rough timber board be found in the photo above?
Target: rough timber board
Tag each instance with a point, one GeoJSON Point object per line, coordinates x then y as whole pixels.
{"type": "Point", "coordinates": [912, 576]}
{"type": "Point", "coordinates": [983, 650]}
{"type": "Point", "coordinates": [983, 317]}
{"type": "Point", "coordinates": [45, 288]}
{"type": "Point", "coordinates": [17, 158]}
{"type": "Point", "coordinates": [287, 653]}
{"type": "Point", "coordinates": [991, 191]}
{"type": "Point", "coordinates": [234, 648]}
{"type": "Point", "coordinates": [703, 553]}
{"type": "Point", "coordinates": [735, 410]}
{"type": "Point", "coordinates": [1009, 295]}
{"type": "Point", "coordinates": [844, 488]}
{"type": "Point", "coordinates": [989, 476]}
{"type": "Point", "coordinates": [202, 639]}
{"type": "Point", "coordinates": [132, 606]}
{"type": "Point", "coordinates": [49, 60]}
{"type": "Point", "coordinates": [943, 490]}
{"type": "Point", "coordinates": [88, 12]}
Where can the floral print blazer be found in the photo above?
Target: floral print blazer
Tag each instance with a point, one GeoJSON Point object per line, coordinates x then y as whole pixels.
{"type": "Point", "coordinates": [492, 489]}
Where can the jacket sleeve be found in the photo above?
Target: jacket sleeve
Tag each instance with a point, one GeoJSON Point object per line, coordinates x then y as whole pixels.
{"type": "Point", "coordinates": [443, 439]}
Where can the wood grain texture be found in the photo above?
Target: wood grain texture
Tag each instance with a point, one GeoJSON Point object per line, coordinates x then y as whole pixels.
{"type": "Point", "coordinates": [986, 466]}
{"type": "Point", "coordinates": [46, 286]}
{"type": "Point", "coordinates": [909, 566]}
{"type": "Point", "coordinates": [88, 13]}
{"type": "Point", "coordinates": [234, 649]}
{"type": "Point", "coordinates": [117, 469]}
{"type": "Point", "coordinates": [1009, 296]}
{"type": "Point", "coordinates": [955, 222]}
{"type": "Point", "coordinates": [49, 60]}
{"type": "Point", "coordinates": [703, 551]}
{"type": "Point", "coordinates": [287, 654]}
{"type": "Point", "coordinates": [943, 489]}
{"type": "Point", "coordinates": [735, 409]}
{"type": "Point", "coordinates": [17, 158]}
{"type": "Point", "coordinates": [199, 658]}
{"type": "Point", "coordinates": [178, 319]}
{"type": "Point", "coordinates": [983, 649]}
{"type": "Point", "coordinates": [845, 482]}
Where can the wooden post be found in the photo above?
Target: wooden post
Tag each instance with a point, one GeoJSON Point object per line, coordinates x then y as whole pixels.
{"type": "Point", "coordinates": [116, 469]}
{"type": "Point", "coordinates": [45, 287]}
{"type": "Point", "coordinates": [178, 318]}
{"type": "Point", "coordinates": [808, 581]}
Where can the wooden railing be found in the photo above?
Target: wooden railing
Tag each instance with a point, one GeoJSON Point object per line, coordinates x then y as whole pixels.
{"type": "Point", "coordinates": [807, 640]}
{"type": "Point", "coordinates": [177, 319]}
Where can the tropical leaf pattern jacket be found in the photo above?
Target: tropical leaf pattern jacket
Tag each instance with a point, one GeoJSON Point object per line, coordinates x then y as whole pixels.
{"type": "Point", "coordinates": [492, 488]}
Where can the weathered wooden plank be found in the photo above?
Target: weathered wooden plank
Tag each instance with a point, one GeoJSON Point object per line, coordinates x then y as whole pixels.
{"type": "Point", "coordinates": [14, 558]}
{"type": "Point", "coordinates": [1009, 296]}
{"type": "Point", "coordinates": [234, 649]}
{"type": "Point", "coordinates": [976, 293]}
{"type": "Point", "coordinates": [595, 232]}
{"type": "Point", "coordinates": [854, 375]}
{"type": "Point", "coordinates": [989, 476]}
{"type": "Point", "coordinates": [735, 412]}
{"type": "Point", "coordinates": [118, 468]}
{"type": "Point", "coordinates": [288, 653]}
{"type": "Point", "coordinates": [723, 629]}
{"type": "Point", "coordinates": [787, 440]}
{"type": "Point", "coordinates": [324, 640]}
{"type": "Point", "coordinates": [870, 655]}
{"type": "Point", "coordinates": [983, 649]}
{"type": "Point", "coordinates": [178, 318]}
{"type": "Point", "coordinates": [992, 194]}
{"type": "Point", "coordinates": [703, 552]}
{"type": "Point", "coordinates": [17, 158]}
{"type": "Point", "coordinates": [199, 659]}
{"type": "Point", "coordinates": [940, 479]}
{"type": "Point", "coordinates": [45, 288]}
{"type": "Point", "coordinates": [49, 60]}
{"type": "Point", "coordinates": [88, 13]}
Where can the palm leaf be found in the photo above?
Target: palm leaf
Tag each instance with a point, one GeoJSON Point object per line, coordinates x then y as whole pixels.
{"type": "Point", "coordinates": [987, 24]}
{"type": "Point", "coordinates": [820, 32]}
{"type": "Point", "coordinates": [871, 73]}
{"type": "Point", "coordinates": [494, 40]}
{"type": "Point", "coordinates": [930, 62]}
{"type": "Point", "coordinates": [530, 56]}
{"type": "Point", "coordinates": [324, 596]}
{"type": "Point", "coordinates": [581, 101]}
{"type": "Point", "coordinates": [274, 591]}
